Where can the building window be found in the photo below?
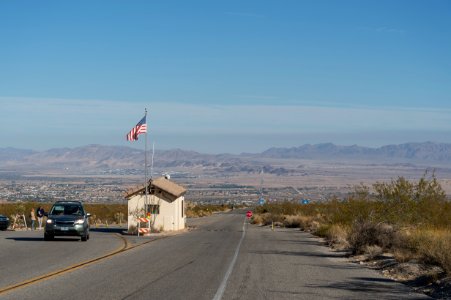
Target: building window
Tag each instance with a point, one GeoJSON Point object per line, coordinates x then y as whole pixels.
{"type": "Point", "coordinates": [153, 209]}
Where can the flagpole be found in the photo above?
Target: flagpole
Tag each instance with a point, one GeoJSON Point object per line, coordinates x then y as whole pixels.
{"type": "Point", "coordinates": [151, 164]}
{"type": "Point", "coordinates": [145, 167]}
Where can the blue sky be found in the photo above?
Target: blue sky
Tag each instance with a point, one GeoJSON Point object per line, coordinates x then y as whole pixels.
{"type": "Point", "coordinates": [224, 76]}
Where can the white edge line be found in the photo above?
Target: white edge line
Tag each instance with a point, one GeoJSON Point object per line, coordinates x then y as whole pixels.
{"type": "Point", "coordinates": [221, 289]}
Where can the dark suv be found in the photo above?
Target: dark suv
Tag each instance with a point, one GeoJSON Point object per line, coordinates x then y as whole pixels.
{"type": "Point", "coordinates": [4, 222]}
{"type": "Point", "coordinates": [67, 218]}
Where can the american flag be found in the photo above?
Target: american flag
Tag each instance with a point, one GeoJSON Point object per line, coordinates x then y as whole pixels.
{"type": "Point", "coordinates": [141, 127]}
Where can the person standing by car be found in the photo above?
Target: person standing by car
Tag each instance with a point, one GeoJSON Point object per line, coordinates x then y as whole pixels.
{"type": "Point", "coordinates": [40, 213]}
{"type": "Point", "coordinates": [33, 218]}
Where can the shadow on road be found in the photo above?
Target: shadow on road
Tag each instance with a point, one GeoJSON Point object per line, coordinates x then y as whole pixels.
{"type": "Point", "coordinates": [332, 267]}
{"type": "Point", "coordinates": [308, 242]}
{"type": "Point", "coordinates": [297, 253]}
{"type": "Point", "coordinates": [370, 285]}
{"type": "Point", "coordinates": [119, 230]}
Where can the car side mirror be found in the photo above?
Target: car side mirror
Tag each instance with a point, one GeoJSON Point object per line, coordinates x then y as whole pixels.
{"type": "Point", "coordinates": [88, 215]}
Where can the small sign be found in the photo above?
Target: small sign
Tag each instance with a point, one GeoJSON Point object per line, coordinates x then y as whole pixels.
{"type": "Point", "coordinates": [261, 201]}
{"type": "Point", "coordinates": [305, 201]}
{"type": "Point", "coordinates": [249, 214]}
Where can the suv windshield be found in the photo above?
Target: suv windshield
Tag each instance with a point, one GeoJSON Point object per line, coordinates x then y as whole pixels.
{"type": "Point", "coordinates": [67, 209]}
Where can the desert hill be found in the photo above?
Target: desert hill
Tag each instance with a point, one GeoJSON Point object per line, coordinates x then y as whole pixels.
{"type": "Point", "coordinates": [101, 157]}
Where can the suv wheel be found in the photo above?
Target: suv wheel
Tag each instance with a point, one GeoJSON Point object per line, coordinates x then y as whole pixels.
{"type": "Point", "coordinates": [48, 237]}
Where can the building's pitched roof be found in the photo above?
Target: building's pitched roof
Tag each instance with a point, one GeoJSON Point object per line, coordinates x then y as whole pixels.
{"type": "Point", "coordinates": [161, 183]}
{"type": "Point", "coordinates": [169, 186]}
{"type": "Point", "coordinates": [133, 191]}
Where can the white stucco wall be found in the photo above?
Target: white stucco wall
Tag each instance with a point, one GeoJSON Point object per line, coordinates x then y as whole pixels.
{"type": "Point", "coordinates": [170, 217]}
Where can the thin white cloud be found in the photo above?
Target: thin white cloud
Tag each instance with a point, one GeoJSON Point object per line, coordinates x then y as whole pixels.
{"type": "Point", "coordinates": [67, 122]}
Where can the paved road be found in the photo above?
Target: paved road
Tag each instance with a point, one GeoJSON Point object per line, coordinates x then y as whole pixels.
{"type": "Point", "coordinates": [284, 264]}
{"type": "Point", "coordinates": [25, 254]}
{"type": "Point", "coordinates": [290, 264]}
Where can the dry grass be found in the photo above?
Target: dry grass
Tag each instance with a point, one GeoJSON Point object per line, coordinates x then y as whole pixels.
{"type": "Point", "coordinates": [288, 221]}
{"type": "Point", "coordinates": [337, 235]}
{"type": "Point", "coordinates": [268, 219]}
{"type": "Point", "coordinates": [298, 221]}
{"type": "Point", "coordinates": [257, 219]}
{"type": "Point", "coordinates": [433, 246]}
{"type": "Point", "coordinates": [372, 252]}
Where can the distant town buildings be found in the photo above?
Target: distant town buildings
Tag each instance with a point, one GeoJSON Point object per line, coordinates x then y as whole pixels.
{"type": "Point", "coordinates": [50, 191]}
{"type": "Point", "coordinates": [111, 190]}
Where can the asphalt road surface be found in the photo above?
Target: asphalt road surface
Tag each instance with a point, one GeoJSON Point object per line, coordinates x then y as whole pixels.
{"type": "Point", "coordinates": [222, 257]}
{"type": "Point", "coordinates": [25, 255]}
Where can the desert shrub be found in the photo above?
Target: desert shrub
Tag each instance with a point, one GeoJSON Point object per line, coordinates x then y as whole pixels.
{"type": "Point", "coordinates": [289, 221]}
{"type": "Point", "coordinates": [404, 255]}
{"type": "Point", "coordinates": [372, 251]}
{"type": "Point", "coordinates": [404, 202]}
{"type": "Point", "coordinates": [399, 202]}
{"type": "Point", "coordinates": [202, 210]}
{"type": "Point", "coordinates": [256, 219]}
{"type": "Point", "coordinates": [268, 219]}
{"type": "Point", "coordinates": [292, 221]}
{"type": "Point", "coordinates": [276, 218]}
{"type": "Point", "coordinates": [196, 212]}
{"type": "Point", "coordinates": [322, 230]}
{"type": "Point", "coordinates": [337, 236]}
{"type": "Point", "coordinates": [298, 221]}
{"type": "Point", "coordinates": [427, 245]}
{"type": "Point", "coordinates": [347, 211]}
{"type": "Point", "coordinates": [433, 246]}
{"type": "Point", "coordinates": [365, 233]}
{"type": "Point", "coordinates": [107, 212]}
{"type": "Point", "coordinates": [313, 226]}
{"type": "Point", "coordinates": [281, 208]}
{"type": "Point", "coordinates": [403, 247]}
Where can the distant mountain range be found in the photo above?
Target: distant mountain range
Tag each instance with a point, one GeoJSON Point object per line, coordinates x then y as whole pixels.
{"type": "Point", "coordinates": [419, 152]}
{"type": "Point", "coordinates": [99, 157]}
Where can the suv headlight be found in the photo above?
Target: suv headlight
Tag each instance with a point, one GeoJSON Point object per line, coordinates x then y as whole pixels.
{"type": "Point", "coordinates": [49, 221]}
{"type": "Point", "coordinates": [80, 221]}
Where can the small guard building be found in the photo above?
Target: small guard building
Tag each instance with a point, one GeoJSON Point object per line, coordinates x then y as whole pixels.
{"type": "Point", "coordinates": [165, 203]}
